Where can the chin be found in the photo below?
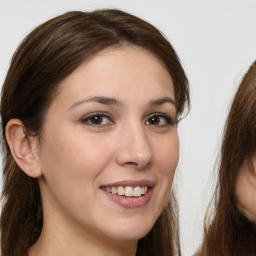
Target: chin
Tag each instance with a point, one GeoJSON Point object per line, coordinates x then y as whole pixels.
{"type": "Point", "coordinates": [133, 230]}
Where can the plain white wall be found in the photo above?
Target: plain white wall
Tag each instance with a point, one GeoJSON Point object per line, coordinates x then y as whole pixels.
{"type": "Point", "coordinates": [216, 42]}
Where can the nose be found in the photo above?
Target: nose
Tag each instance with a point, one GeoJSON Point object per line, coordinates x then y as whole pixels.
{"type": "Point", "coordinates": [135, 149]}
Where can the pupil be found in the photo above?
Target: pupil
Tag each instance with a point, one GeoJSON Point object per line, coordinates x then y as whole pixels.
{"type": "Point", "coordinates": [154, 120]}
{"type": "Point", "coordinates": [97, 120]}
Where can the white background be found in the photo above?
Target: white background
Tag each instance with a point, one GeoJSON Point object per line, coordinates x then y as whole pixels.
{"type": "Point", "coordinates": [216, 42]}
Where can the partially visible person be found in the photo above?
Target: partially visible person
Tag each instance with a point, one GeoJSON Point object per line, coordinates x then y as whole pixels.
{"type": "Point", "coordinates": [231, 230]}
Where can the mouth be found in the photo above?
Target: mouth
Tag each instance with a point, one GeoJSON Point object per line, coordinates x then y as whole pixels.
{"type": "Point", "coordinates": [130, 194]}
{"type": "Point", "coordinates": [127, 191]}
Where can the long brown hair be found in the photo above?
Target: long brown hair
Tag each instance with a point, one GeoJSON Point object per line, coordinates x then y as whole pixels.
{"type": "Point", "coordinates": [47, 56]}
{"type": "Point", "coordinates": [230, 233]}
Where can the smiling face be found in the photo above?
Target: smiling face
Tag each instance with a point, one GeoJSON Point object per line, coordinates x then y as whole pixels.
{"type": "Point", "coordinates": [109, 148]}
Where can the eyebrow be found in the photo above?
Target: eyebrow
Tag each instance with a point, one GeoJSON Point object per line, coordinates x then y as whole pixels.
{"type": "Point", "coordinates": [162, 101]}
{"type": "Point", "coordinates": [112, 101]}
{"type": "Point", "coordinates": [98, 99]}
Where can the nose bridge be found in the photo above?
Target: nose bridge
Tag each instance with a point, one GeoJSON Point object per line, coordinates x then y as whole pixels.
{"type": "Point", "coordinates": [135, 147]}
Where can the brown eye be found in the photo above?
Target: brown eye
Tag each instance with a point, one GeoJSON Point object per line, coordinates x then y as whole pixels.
{"type": "Point", "coordinates": [159, 120]}
{"type": "Point", "coordinates": [97, 120]}
{"type": "Point", "coordinates": [154, 120]}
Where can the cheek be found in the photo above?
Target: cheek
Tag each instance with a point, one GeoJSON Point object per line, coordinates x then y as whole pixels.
{"type": "Point", "coordinates": [245, 192]}
{"type": "Point", "coordinates": [71, 165]}
{"type": "Point", "coordinates": [166, 160]}
{"type": "Point", "coordinates": [70, 169]}
{"type": "Point", "coordinates": [167, 155]}
{"type": "Point", "coordinates": [75, 150]}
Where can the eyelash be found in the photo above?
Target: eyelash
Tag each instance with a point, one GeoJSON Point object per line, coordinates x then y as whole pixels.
{"type": "Point", "coordinates": [87, 120]}
{"type": "Point", "coordinates": [168, 119]}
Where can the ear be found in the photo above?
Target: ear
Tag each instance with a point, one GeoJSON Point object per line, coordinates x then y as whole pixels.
{"type": "Point", "coordinates": [24, 149]}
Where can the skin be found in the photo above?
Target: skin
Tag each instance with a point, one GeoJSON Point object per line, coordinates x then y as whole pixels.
{"type": "Point", "coordinates": [76, 157]}
{"type": "Point", "coordinates": [246, 191]}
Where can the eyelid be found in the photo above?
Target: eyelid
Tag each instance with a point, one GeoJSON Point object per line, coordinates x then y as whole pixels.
{"type": "Point", "coordinates": [86, 118]}
{"type": "Point", "coordinates": [168, 118]}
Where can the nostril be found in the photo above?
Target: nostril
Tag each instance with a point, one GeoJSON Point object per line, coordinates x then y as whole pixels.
{"type": "Point", "coordinates": [133, 164]}
{"type": "Point", "coordinates": [138, 165]}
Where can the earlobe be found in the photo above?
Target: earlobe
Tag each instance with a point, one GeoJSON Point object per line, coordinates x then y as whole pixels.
{"type": "Point", "coordinates": [23, 148]}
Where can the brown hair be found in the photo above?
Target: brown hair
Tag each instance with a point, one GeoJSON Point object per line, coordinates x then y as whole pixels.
{"type": "Point", "coordinates": [47, 56]}
{"type": "Point", "coordinates": [230, 233]}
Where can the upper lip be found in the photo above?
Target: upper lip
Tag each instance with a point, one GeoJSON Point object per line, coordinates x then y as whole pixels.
{"type": "Point", "coordinates": [131, 183]}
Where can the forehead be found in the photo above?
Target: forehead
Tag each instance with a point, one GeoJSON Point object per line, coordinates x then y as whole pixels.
{"type": "Point", "coordinates": [118, 69]}
{"type": "Point", "coordinates": [130, 54]}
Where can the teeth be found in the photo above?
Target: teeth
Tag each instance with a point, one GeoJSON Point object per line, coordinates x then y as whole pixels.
{"type": "Point", "coordinates": [120, 191]}
{"type": "Point", "coordinates": [127, 191]}
{"type": "Point", "coordinates": [114, 190]}
{"type": "Point", "coordinates": [137, 191]}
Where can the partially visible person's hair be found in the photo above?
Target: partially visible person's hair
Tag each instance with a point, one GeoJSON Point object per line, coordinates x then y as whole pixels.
{"type": "Point", "coordinates": [230, 233]}
{"type": "Point", "coordinates": [48, 55]}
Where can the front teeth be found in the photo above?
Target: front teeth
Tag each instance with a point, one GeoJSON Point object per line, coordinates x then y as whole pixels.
{"type": "Point", "coordinates": [127, 191]}
{"type": "Point", "coordinates": [121, 191]}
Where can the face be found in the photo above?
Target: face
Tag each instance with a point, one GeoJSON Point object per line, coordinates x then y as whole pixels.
{"type": "Point", "coordinates": [110, 147]}
{"type": "Point", "coordinates": [246, 191]}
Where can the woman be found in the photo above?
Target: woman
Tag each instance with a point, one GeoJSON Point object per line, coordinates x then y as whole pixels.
{"type": "Point", "coordinates": [89, 110]}
{"type": "Point", "coordinates": [232, 229]}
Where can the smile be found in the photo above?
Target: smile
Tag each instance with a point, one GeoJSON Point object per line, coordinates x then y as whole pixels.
{"type": "Point", "coordinates": [127, 191]}
{"type": "Point", "coordinates": [130, 193]}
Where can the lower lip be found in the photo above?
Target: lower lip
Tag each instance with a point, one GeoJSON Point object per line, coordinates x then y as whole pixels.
{"type": "Point", "coordinates": [131, 202]}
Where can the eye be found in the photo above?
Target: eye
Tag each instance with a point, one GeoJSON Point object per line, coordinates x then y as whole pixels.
{"type": "Point", "coordinates": [159, 119]}
{"type": "Point", "coordinates": [97, 119]}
